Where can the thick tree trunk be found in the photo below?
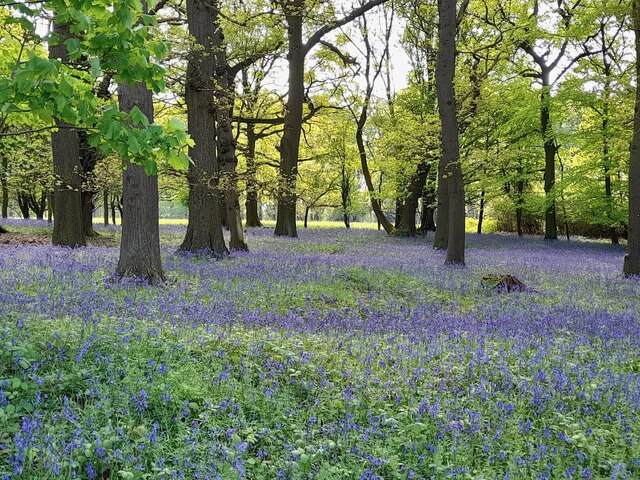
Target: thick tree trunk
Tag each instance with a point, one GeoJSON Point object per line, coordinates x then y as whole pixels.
{"type": "Point", "coordinates": [632, 258]}
{"type": "Point", "coordinates": [140, 242]}
{"type": "Point", "coordinates": [407, 225]}
{"type": "Point", "coordinates": [290, 142]}
{"type": "Point", "coordinates": [4, 186]}
{"type": "Point", "coordinates": [550, 227]}
{"type": "Point", "coordinates": [65, 143]}
{"type": "Point", "coordinates": [204, 230]}
{"type": "Point", "coordinates": [481, 213]}
{"type": "Point", "coordinates": [251, 203]}
{"type": "Point", "coordinates": [445, 71]}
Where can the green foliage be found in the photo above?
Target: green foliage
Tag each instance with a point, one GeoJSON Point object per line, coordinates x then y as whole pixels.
{"type": "Point", "coordinates": [108, 37]}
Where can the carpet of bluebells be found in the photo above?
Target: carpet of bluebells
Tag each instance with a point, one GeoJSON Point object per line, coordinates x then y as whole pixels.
{"type": "Point", "coordinates": [338, 355]}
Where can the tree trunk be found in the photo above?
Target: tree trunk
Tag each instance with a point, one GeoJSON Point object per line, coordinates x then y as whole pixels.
{"type": "Point", "coordinates": [251, 203]}
{"type": "Point", "coordinates": [227, 159]}
{"type": "Point", "coordinates": [550, 227]}
{"type": "Point", "coordinates": [441, 238]}
{"type": "Point", "coordinates": [113, 210]}
{"type": "Point", "coordinates": [23, 205]}
{"type": "Point", "coordinates": [481, 213]}
{"type": "Point", "coordinates": [5, 186]}
{"type": "Point", "coordinates": [632, 258]}
{"type": "Point", "coordinates": [290, 142]}
{"type": "Point", "coordinates": [306, 216]}
{"type": "Point", "coordinates": [606, 158]}
{"type": "Point", "coordinates": [2, 230]}
{"type": "Point", "coordinates": [376, 204]}
{"type": "Point", "coordinates": [519, 221]}
{"type": "Point", "coordinates": [345, 195]}
{"type": "Point", "coordinates": [49, 206]}
{"type": "Point", "coordinates": [87, 213]}
{"type": "Point", "coordinates": [140, 242]}
{"type": "Point", "coordinates": [105, 206]}
{"type": "Point", "coordinates": [445, 71]}
{"type": "Point", "coordinates": [65, 145]}
{"type": "Point", "coordinates": [204, 230]}
{"type": "Point", "coordinates": [407, 225]}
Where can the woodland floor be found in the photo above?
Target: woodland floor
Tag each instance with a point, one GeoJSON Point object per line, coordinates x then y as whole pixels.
{"type": "Point", "coordinates": [338, 355]}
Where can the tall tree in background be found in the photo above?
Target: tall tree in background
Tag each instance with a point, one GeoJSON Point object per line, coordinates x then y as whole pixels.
{"type": "Point", "coordinates": [632, 259]}
{"type": "Point", "coordinates": [295, 12]}
{"type": "Point", "coordinates": [370, 75]}
{"type": "Point", "coordinates": [204, 230]}
{"type": "Point", "coordinates": [445, 72]}
{"type": "Point", "coordinates": [65, 142]}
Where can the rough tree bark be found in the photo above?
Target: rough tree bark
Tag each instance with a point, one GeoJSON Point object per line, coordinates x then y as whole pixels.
{"type": "Point", "coordinates": [227, 160]}
{"type": "Point", "coordinates": [140, 242]}
{"type": "Point", "coordinates": [445, 71]}
{"type": "Point", "coordinates": [632, 258]}
{"type": "Point", "coordinates": [204, 230]}
{"type": "Point", "coordinates": [65, 143]}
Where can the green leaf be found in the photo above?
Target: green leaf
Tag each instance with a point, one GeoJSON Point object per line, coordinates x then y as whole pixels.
{"type": "Point", "coordinates": [95, 67]}
{"type": "Point", "coordinates": [138, 118]}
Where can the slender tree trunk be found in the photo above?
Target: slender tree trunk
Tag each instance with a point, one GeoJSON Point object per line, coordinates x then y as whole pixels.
{"type": "Point", "coordinates": [65, 143]}
{"type": "Point", "coordinates": [345, 195]}
{"type": "Point", "coordinates": [227, 160]}
{"type": "Point", "coordinates": [519, 220]}
{"type": "Point", "coordinates": [251, 203]}
{"type": "Point", "coordinates": [105, 206]}
{"type": "Point", "coordinates": [4, 186]}
{"type": "Point", "coordinates": [606, 158]}
{"type": "Point", "coordinates": [49, 206]}
{"type": "Point", "coordinates": [306, 216]}
{"type": "Point", "coordinates": [632, 258]}
{"type": "Point", "coordinates": [204, 230]}
{"type": "Point", "coordinates": [376, 204]}
{"type": "Point", "coordinates": [441, 238]}
{"type": "Point", "coordinates": [113, 211]}
{"type": "Point", "coordinates": [87, 213]}
{"type": "Point", "coordinates": [481, 212]}
{"type": "Point", "coordinates": [290, 142]}
{"type": "Point", "coordinates": [445, 71]}
{"type": "Point", "coordinates": [550, 227]}
{"type": "Point", "coordinates": [140, 242]}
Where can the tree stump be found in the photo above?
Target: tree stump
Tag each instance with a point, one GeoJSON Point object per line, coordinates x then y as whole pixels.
{"type": "Point", "coordinates": [504, 283]}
